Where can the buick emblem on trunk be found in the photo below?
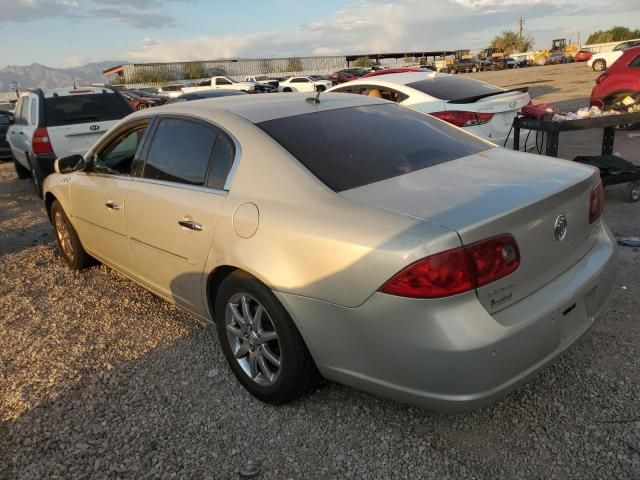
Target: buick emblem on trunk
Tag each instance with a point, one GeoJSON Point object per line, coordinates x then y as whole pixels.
{"type": "Point", "coordinates": [560, 228]}
{"type": "Point", "coordinates": [94, 127]}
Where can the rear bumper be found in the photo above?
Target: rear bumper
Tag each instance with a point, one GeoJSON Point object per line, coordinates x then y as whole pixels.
{"type": "Point", "coordinates": [45, 164]}
{"type": "Point", "coordinates": [450, 354]}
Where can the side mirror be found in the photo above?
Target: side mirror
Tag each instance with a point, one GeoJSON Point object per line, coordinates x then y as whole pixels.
{"type": "Point", "coordinates": [70, 164]}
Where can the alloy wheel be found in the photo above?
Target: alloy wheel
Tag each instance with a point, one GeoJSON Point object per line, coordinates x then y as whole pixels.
{"type": "Point", "coordinates": [253, 339]}
{"type": "Point", "coordinates": [63, 232]}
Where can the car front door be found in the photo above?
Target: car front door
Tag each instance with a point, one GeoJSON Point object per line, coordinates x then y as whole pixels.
{"type": "Point", "coordinates": [173, 206]}
{"type": "Point", "coordinates": [98, 196]}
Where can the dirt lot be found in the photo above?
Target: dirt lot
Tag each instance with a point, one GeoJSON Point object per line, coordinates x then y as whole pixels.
{"type": "Point", "coordinates": [101, 379]}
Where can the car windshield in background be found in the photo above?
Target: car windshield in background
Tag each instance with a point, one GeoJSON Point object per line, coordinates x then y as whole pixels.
{"type": "Point", "coordinates": [350, 147]}
{"type": "Point", "coordinates": [95, 107]}
{"type": "Point", "coordinates": [447, 87]}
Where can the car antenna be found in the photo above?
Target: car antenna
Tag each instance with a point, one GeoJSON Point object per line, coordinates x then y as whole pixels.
{"type": "Point", "coordinates": [315, 99]}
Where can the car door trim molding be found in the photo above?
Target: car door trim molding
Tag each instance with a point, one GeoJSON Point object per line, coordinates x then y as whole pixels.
{"type": "Point", "coordinates": [134, 239]}
{"type": "Point", "coordinates": [99, 226]}
{"type": "Point", "coordinates": [186, 186]}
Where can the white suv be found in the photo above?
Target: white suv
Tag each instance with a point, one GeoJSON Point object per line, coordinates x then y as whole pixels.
{"type": "Point", "coordinates": [601, 61]}
{"type": "Point", "coordinates": [59, 122]}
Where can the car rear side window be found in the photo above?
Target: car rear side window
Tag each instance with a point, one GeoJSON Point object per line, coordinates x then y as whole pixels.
{"type": "Point", "coordinates": [350, 147]}
{"type": "Point", "coordinates": [635, 62]}
{"type": "Point", "coordinates": [79, 108]}
{"type": "Point", "coordinates": [449, 87]}
{"type": "Point", "coordinates": [224, 152]}
{"type": "Point", "coordinates": [180, 151]}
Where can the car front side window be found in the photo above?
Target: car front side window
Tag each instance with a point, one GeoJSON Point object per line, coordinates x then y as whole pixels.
{"type": "Point", "coordinates": [117, 157]}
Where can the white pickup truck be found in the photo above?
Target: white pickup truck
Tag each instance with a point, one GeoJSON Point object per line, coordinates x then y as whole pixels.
{"type": "Point", "coordinates": [224, 83]}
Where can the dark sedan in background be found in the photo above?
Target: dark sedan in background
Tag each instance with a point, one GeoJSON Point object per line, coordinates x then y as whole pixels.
{"type": "Point", "coordinates": [6, 119]}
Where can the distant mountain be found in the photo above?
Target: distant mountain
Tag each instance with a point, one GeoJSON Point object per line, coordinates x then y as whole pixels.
{"type": "Point", "coordinates": [37, 75]}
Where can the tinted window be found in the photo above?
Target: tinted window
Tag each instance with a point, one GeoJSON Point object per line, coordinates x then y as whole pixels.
{"type": "Point", "coordinates": [375, 91]}
{"type": "Point", "coordinates": [222, 81]}
{"type": "Point", "coordinates": [223, 155]}
{"type": "Point", "coordinates": [635, 62]}
{"type": "Point", "coordinates": [300, 80]}
{"type": "Point", "coordinates": [351, 147]}
{"type": "Point", "coordinates": [33, 112]}
{"type": "Point", "coordinates": [117, 157]}
{"type": "Point", "coordinates": [95, 107]}
{"type": "Point", "coordinates": [453, 87]}
{"type": "Point", "coordinates": [4, 120]}
{"type": "Point", "coordinates": [180, 151]}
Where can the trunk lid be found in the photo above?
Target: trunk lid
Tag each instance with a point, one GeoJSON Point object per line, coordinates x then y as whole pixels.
{"type": "Point", "coordinates": [503, 106]}
{"type": "Point", "coordinates": [498, 191]}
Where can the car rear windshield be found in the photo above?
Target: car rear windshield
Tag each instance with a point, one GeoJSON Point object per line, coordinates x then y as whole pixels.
{"type": "Point", "coordinates": [95, 107]}
{"type": "Point", "coordinates": [449, 87]}
{"type": "Point", "coordinates": [350, 147]}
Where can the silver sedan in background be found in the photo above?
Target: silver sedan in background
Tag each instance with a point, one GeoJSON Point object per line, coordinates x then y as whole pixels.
{"type": "Point", "coordinates": [378, 246]}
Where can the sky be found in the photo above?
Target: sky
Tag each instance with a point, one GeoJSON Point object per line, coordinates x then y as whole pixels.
{"type": "Point", "coordinates": [68, 33]}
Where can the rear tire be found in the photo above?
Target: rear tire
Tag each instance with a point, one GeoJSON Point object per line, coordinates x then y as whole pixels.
{"type": "Point", "coordinates": [599, 65]}
{"type": "Point", "coordinates": [286, 89]}
{"type": "Point", "coordinates": [69, 244]}
{"type": "Point", "coordinates": [36, 175]}
{"type": "Point", "coordinates": [142, 106]}
{"type": "Point", "coordinates": [275, 371]}
{"type": "Point", "coordinates": [21, 172]}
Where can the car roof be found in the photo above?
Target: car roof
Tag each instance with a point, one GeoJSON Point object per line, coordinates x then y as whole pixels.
{"type": "Point", "coordinates": [398, 78]}
{"type": "Point", "coordinates": [261, 108]}
{"type": "Point", "coordinates": [65, 92]}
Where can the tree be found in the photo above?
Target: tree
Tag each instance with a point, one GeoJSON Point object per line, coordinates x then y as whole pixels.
{"type": "Point", "coordinates": [194, 71]}
{"type": "Point", "coordinates": [614, 34]}
{"type": "Point", "coordinates": [294, 65]}
{"type": "Point", "coordinates": [510, 42]}
{"type": "Point", "coordinates": [150, 76]}
{"type": "Point", "coordinates": [363, 62]}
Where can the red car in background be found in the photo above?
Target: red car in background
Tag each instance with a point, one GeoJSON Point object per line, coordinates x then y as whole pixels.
{"type": "Point", "coordinates": [620, 80]}
{"type": "Point", "coordinates": [138, 102]}
{"type": "Point", "coordinates": [582, 56]}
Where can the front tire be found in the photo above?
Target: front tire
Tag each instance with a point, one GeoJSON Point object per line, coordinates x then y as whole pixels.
{"type": "Point", "coordinates": [261, 343]}
{"type": "Point", "coordinates": [21, 172]}
{"type": "Point", "coordinates": [67, 238]}
{"type": "Point", "coordinates": [142, 106]}
{"type": "Point", "coordinates": [286, 89]}
{"type": "Point", "coordinates": [632, 192]}
{"type": "Point", "coordinates": [599, 65]}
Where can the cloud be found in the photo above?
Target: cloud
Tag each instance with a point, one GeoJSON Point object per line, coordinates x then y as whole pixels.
{"type": "Point", "coordinates": [128, 13]}
{"type": "Point", "coordinates": [149, 42]}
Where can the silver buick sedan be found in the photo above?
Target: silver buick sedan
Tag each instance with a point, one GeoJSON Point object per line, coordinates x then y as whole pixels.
{"type": "Point", "coordinates": [352, 238]}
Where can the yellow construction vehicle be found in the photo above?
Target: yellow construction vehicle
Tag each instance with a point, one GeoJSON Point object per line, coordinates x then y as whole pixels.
{"type": "Point", "coordinates": [561, 45]}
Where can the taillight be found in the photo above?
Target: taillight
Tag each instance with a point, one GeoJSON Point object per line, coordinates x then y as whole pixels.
{"type": "Point", "coordinates": [40, 142]}
{"type": "Point", "coordinates": [463, 119]}
{"type": "Point", "coordinates": [458, 270]}
{"type": "Point", "coordinates": [596, 202]}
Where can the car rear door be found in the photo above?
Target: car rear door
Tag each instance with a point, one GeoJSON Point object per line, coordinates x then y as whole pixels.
{"type": "Point", "coordinates": [173, 205]}
{"type": "Point", "coordinates": [16, 137]}
{"type": "Point", "coordinates": [76, 121]}
{"type": "Point", "coordinates": [98, 196]}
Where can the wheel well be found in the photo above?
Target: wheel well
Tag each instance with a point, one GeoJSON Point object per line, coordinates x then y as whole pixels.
{"type": "Point", "coordinates": [48, 201]}
{"type": "Point", "coordinates": [617, 93]}
{"type": "Point", "coordinates": [213, 285]}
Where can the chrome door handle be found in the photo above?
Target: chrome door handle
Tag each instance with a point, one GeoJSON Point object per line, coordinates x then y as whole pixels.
{"type": "Point", "coordinates": [190, 224]}
{"type": "Point", "coordinates": [112, 205]}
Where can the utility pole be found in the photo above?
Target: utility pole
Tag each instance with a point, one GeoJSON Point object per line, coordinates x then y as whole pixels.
{"type": "Point", "coordinates": [521, 24]}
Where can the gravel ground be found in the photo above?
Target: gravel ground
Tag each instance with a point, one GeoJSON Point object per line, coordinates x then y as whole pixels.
{"type": "Point", "coordinates": [101, 379]}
